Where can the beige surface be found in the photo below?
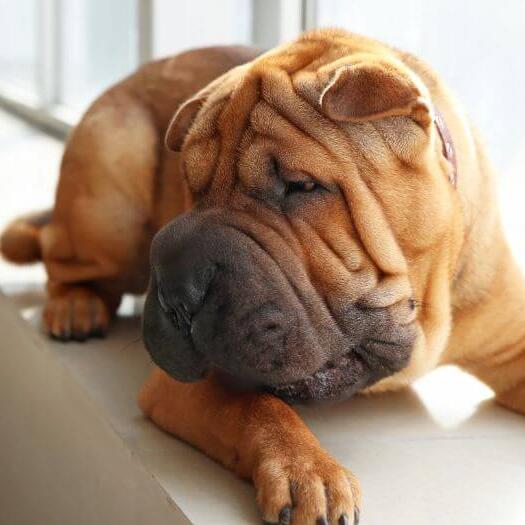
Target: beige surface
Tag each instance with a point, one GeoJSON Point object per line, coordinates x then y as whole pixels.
{"type": "Point", "coordinates": [61, 460]}
{"type": "Point", "coordinates": [74, 433]}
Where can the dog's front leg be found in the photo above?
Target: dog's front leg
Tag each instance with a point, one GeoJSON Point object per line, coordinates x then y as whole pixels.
{"type": "Point", "coordinates": [260, 438]}
{"type": "Point", "coordinates": [503, 371]}
{"type": "Point", "coordinates": [514, 399]}
{"type": "Point", "coordinates": [507, 378]}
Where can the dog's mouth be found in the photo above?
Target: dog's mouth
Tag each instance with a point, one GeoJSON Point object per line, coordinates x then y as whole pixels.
{"type": "Point", "coordinates": [335, 380]}
{"type": "Point", "coordinates": [340, 378]}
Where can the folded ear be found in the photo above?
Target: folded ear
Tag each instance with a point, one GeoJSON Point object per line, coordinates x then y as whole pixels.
{"type": "Point", "coordinates": [370, 91]}
{"type": "Point", "coordinates": [182, 121]}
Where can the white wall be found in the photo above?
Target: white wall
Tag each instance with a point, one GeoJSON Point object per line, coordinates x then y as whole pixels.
{"type": "Point", "coordinates": [98, 40]}
{"type": "Point", "coordinates": [18, 38]}
{"type": "Point", "coordinates": [476, 45]}
{"type": "Point", "coordinates": [192, 23]}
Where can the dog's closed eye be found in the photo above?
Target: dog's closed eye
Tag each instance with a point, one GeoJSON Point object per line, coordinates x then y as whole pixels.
{"type": "Point", "coordinates": [305, 186]}
{"type": "Point", "coordinates": [294, 183]}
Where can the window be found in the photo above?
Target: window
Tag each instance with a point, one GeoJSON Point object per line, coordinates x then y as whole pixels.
{"type": "Point", "coordinates": [18, 45]}
{"type": "Point", "coordinates": [57, 56]}
{"type": "Point", "coordinates": [98, 42]}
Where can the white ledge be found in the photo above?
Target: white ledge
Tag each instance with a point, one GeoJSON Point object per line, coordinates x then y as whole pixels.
{"type": "Point", "coordinates": [75, 449]}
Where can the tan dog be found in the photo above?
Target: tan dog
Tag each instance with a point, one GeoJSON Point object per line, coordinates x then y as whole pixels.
{"type": "Point", "coordinates": [323, 198]}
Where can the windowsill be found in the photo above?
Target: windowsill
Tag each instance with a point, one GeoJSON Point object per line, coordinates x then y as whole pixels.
{"type": "Point", "coordinates": [56, 119]}
{"type": "Point", "coordinates": [445, 454]}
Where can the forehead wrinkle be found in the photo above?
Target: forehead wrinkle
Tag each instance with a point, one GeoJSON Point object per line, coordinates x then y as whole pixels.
{"type": "Point", "coordinates": [385, 252]}
{"type": "Point", "coordinates": [382, 247]}
{"type": "Point", "coordinates": [342, 140]}
{"type": "Point", "coordinates": [278, 91]}
{"type": "Point", "coordinates": [387, 189]}
{"type": "Point", "coordinates": [236, 111]}
{"type": "Point", "coordinates": [270, 124]}
{"type": "Point", "coordinates": [401, 156]}
{"type": "Point", "coordinates": [384, 153]}
{"type": "Point", "coordinates": [365, 146]}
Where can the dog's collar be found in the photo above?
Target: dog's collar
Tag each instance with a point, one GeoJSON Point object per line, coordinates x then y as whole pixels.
{"type": "Point", "coordinates": [449, 151]}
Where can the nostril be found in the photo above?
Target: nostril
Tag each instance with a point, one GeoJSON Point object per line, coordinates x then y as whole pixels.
{"type": "Point", "coordinates": [182, 318]}
{"type": "Point", "coordinates": [180, 309]}
{"type": "Point", "coordinates": [182, 292]}
{"type": "Point", "coordinates": [178, 313]}
{"type": "Point", "coordinates": [162, 301]}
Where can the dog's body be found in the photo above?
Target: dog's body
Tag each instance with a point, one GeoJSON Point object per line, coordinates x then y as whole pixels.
{"type": "Point", "coordinates": [118, 185]}
{"type": "Point", "coordinates": [409, 237]}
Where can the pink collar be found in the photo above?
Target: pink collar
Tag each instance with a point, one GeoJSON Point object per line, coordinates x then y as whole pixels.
{"type": "Point", "coordinates": [449, 151]}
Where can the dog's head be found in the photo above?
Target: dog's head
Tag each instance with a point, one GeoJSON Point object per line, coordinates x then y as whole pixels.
{"type": "Point", "coordinates": [324, 232]}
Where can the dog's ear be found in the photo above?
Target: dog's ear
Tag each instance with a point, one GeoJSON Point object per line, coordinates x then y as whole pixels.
{"type": "Point", "coordinates": [373, 90]}
{"type": "Point", "coordinates": [182, 121]}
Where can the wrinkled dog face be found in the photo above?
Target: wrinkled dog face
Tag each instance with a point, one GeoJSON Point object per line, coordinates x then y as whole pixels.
{"type": "Point", "coordinates": [322, 212]}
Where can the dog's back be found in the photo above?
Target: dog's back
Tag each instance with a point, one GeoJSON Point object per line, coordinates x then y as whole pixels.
{"type": "Point", "coordinates": [117, 186]}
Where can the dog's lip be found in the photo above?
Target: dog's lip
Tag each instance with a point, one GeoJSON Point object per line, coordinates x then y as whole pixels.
{"type": "Point", "coordinates": [327, 382]}
{"type": "Point", "coordinates": [340, 377]}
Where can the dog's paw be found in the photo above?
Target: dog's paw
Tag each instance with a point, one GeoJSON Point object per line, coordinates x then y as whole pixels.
{"type": "Point", "coordinates": [75, 313]}
{"type": "Point", "coordinates": [306, 488]}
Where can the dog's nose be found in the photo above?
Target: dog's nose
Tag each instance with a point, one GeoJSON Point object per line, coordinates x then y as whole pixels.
{"type": "Point", "coordinates": [182, 294]}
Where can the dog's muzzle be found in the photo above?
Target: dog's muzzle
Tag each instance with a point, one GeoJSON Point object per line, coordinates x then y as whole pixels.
{"type": "Point", "coordinates": [218, 300]}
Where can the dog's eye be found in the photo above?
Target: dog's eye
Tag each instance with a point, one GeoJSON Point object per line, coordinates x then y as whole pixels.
{"type": "Point", "coordinates": [292, 186]}
{"type": "Point", "coordinates": [301, 186]}
{"type": "Point", "coordinates": [274, 167]}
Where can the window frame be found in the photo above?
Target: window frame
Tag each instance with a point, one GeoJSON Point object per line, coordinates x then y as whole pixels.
{"type": "Point", "coordinates": [274, 21]}
{"type": "Point", "coordinates": [43, 108]}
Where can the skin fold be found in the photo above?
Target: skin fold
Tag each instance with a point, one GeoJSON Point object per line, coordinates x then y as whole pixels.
{"type": "Point", "coordinates": [388, 269]}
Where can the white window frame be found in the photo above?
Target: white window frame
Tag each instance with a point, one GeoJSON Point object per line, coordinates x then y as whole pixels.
{"type": "Point", "coordinates": [44, 109]}
{"type": "Point", "coordinates": [309, 14]}
{"type": "Point", "coordinates": [273, 21]}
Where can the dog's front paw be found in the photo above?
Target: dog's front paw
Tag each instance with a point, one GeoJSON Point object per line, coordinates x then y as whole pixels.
{"type": "Point", "coordinates": [75, 313]}
{"type": "Point", "coordinates": [306, 487]}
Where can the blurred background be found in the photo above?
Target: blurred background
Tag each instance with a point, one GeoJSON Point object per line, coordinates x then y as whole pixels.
{"type": "Point", "coordinates": [56, 56]}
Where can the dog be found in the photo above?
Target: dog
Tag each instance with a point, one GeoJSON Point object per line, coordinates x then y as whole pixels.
{"type": "Point", "coordinates": [322, 222]}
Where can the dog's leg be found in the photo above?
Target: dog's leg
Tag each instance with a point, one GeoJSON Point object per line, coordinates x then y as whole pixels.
{"type": "Point", "coordinates": [489, 336]}
{"type": "Point", "coordinates": [260, 438]}
{"type": "Point", "coordinates": [96, 244]}
{"type": "Point", "coordinates": [78, 311]}
{"type": "Point", "coordinates": [91, 264]}
{"type": "Point", "coordinates": [505, 374]}
{"type": "Point", "coordinates": [514, 398]}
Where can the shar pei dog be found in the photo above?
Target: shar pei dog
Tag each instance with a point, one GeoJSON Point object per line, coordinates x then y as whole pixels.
{"type": "Point", "coordinates": [315, 221]}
